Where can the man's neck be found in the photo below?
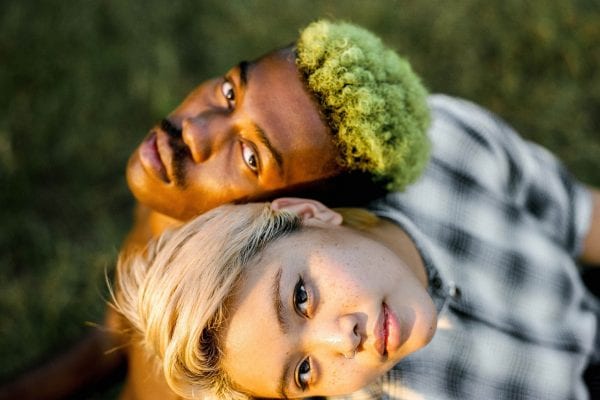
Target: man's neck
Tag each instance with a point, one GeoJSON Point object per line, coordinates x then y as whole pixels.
{"type": "Point", "coordinates": [147, 224]}
{"type": "Point", "coordinates": [158, 222]}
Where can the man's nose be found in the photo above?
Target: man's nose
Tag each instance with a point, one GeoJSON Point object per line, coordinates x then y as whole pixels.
{"type": "Point", "coordinates": [340, 335]}
{"type": "Point", "coordinates": [203, 134]}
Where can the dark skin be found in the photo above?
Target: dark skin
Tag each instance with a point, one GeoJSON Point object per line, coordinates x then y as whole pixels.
{"type": "Point", "coordinates": [222, 157]}
{"type": "Point", "coordinates": [254, 131]}
{"type": "Point", "coordinates": [251, 134]}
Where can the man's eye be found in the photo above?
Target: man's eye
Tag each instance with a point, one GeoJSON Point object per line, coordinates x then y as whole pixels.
{"type": "Point", "coordinates": [301, 298]}
{"type": "Point", "coordinates": [249, 157]}
{"type": "Point", "coordinates": [303, 374]}
{"type": "Point", "coordinates": [228, 93]}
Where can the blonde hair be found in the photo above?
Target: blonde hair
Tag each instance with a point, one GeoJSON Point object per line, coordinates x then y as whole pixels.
{"type": "Point", "coordinates": [176, 294]}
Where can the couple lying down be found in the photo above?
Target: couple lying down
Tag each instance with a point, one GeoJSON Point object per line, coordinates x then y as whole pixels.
{"type": "Point", "coordinates": [465, 285]}
{"type": "Point", "coordinates": [459, 281]}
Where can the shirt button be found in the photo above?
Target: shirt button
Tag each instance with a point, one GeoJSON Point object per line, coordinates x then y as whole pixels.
{"type": "Point", "coordinates": [454, 291]}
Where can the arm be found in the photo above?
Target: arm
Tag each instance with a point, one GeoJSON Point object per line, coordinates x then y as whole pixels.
{"type": "Point", "coordinates": [591, 245]}
{"type": "Point", "coordinates": [89, 362]}
{"type": "Point", "coordinates": [92, 360]}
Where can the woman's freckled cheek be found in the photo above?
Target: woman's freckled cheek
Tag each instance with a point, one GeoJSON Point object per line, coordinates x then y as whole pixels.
{"type": "Point", "coordinates": [334, 376]}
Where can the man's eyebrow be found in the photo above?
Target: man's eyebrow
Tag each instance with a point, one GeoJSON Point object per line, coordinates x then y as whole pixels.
{"type": "Point", "coordinates": [244, 68]}
{"type": "Point", "coordinates": [276, 154]}
{"type": "Point", "coordinates": [283, 327]}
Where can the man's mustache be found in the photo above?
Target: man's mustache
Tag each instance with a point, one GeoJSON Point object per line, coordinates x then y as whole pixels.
{"type": "Point", "coordinates": [170, 129]}
{"type": "Point", "coordinates": [180, 151]}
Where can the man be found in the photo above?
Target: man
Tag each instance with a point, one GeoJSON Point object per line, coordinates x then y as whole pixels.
{"type": "Point", "coordinates": [258, 131]}
{"type": "Point", "coordinates": [339, 117]}
{"type": "Point", "coordinates": [484, 246]}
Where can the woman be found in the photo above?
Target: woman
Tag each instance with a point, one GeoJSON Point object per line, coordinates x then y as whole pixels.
{"type": "Point", "coordinates": [288, 302]}
{"type": "Point", "coordinates": [332, 309]}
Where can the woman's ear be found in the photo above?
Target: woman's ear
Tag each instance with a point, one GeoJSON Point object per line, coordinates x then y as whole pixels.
{"type": "Point", "coordinates": [311, 211]}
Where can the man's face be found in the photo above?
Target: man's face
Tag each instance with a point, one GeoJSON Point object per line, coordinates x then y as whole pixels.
{"type": "Point", "coordinates": [240, 137]}
{"type": "Point", "coordinates": [324, 312]}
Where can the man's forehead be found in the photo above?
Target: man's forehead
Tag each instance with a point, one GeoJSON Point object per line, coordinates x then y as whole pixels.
{"type": "Point", "coordinates": [286, 53]}
{"type": "Point", "coordinates": [281, 104]}
{"type": "Point", "coordinates": [273, 64]}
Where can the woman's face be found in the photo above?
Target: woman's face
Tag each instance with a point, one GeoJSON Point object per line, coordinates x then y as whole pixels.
{"type": "Point", "coordinates": [324, 312]}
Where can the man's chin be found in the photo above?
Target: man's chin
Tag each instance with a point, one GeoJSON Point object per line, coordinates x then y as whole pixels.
{"type": "Point", "coordinates": [160, 197]}
{"type": "Point", "coordinates": [147, 191]}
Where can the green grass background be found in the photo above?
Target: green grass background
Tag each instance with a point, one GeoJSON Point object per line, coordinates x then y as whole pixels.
{"type": "Point", "coordinates": [82, 81]}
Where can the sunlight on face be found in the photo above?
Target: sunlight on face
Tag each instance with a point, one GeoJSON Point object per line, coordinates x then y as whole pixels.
{"type": "Point", "coordinates": [324, 312]}
{"type": "Point", "coordinates": [255, 130]}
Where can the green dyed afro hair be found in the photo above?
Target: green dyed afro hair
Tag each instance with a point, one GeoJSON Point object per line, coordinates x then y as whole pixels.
{"type": "Point", "coordinates": [371, 99]}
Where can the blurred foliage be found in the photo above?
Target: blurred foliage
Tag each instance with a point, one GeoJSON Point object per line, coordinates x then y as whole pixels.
{"type": "Point", "coordinates": [82, 81]}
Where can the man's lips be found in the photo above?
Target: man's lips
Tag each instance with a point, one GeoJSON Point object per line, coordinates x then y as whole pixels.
{"type": "Point", "coordinates": [151, 158]}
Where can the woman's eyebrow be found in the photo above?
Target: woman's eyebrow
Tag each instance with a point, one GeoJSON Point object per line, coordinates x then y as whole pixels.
{"type": "Point", "coordinates": [283, 380]}
{"type": "Point", "coordinates": [277, 303]}
{"type": "Point", "coordinates": [283, 327]}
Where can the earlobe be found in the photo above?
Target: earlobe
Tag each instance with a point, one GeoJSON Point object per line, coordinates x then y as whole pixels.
{"type": "Point", "coordinates": [312, 212]}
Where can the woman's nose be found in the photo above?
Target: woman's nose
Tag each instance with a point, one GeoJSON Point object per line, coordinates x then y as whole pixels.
{"type": "Point", "coordinates": [202, 135]}
{"type": "Point", "coordinates": [340, 335]}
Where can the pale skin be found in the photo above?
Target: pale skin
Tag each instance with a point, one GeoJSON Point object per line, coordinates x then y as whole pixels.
{"type": "Point", "coordinates": [320, 294]}
{"type": "Point", "coordinates": [220, 129]}
{"type": "Point", "coordinates": [161, 205]}
{"type": "Point", "coordinates": [152, 223]}
{"type": "Point", "coordinates": [152, 384]}
{"type": "Point", "coordinates": [330, 282]}
{"type": "Point", "coordinates": [338, 308]}
{"type": "Point", "coordinates": [254, 131]}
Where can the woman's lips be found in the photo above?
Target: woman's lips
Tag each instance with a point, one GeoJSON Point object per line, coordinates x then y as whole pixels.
{"type": "Point", "coordinates": [381, 332]}
{"type": "Point", "coordinates": [395, 339]}
{"type": "Point", "coordinates": [150, 158]}
{"type": "Point", "coordinates": [387, 333]}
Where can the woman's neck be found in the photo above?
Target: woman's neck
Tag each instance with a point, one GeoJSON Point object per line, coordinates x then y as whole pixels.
{"type": "Point", "coordinates": [397, 240]}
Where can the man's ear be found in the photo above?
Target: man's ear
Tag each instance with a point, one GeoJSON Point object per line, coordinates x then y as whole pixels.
{"type": "Point", "coordinates": [311, 211]}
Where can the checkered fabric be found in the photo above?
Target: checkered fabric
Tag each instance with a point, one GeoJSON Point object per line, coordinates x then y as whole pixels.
{"type": "Point", "coordinates": [499, 223]}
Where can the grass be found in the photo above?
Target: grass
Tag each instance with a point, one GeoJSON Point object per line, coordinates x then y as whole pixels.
{"type": "Point", "coordinates": [81, 83]}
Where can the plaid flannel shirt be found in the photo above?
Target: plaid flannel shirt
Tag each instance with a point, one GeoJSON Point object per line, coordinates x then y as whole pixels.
{"type": "Point", "coordinates": [499, 223]}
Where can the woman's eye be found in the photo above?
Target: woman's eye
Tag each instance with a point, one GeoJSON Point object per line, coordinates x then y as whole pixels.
{"type": "Point", "coordinates": [301, 298]}
{"type": "Point", "coordinates": [249, 157]}
{"type": "Point", "coordinates": [228, 93]}
{"type": "Point", "coordinates": [303, 374]}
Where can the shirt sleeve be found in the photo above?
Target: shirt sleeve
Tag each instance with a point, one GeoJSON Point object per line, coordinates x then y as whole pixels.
{"type": "Point", "coordinates": [534, 179]}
